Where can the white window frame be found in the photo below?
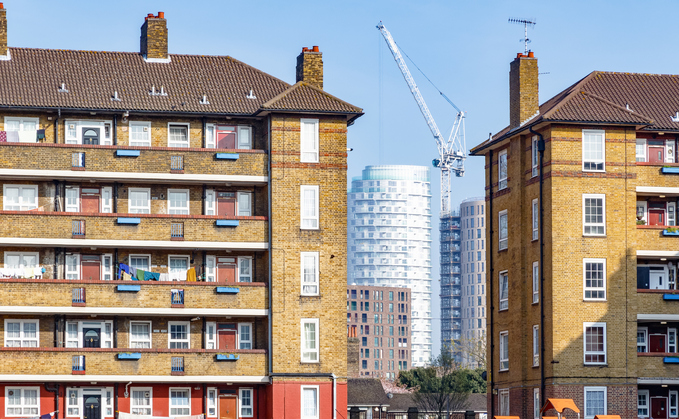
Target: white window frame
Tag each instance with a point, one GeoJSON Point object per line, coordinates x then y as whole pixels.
{"type": "Point", "coordinates": [640, 150]}
{"type": "Point", "coordinates": [502, 170]}
{"type": "Point", "coordinates": [593, 389]}
{"type": "Point", "coordinates": [302, 413]}
{"type": "Point", "coordinates": [310, 222]}
{"type": "Point", "coordinates": [210, 202]}
{"type": "Point", "coordinates": [536, 345]}
{"type": "Point", "coordinates": [503, 237]}
{"type": "Point", "coordinates": [671, 213]}
{"type": "Point", "coordinates": [669, 151]}
{"type": "Point", "coordinates": [504, 350]}
{"type": "Point", "coordinates": [21, 204]}
{"type": "Point", "coordinates": [244, 203]}
{"type": "Point", "coordinates": [307, 354]}
{"type": "Point", "coordinates": [72, 207]}
{"type": "Point", "coordinates": [504, 299]}
{"type": "Point", "coordinates": [536, 403]}
{"type": "Point", "coordinates": [596, 161]}
{"type": "Point", "coordinates": [132, 342]}
{"type": "Point", "coordinates": [22, 404]}
{"type": "Point", "coordinates": [584, 215]}
{"type": "Point", "coordinates": [106, 199]}
{"type": "Point", "coordinates": [21, 256]}
{"type": "Point", "coordinates": [22, 331]}
{"type": "Point", "coordinates": [585, 326]}
{"type": "Point", "coordinates": [77, 340]}
{"type": "Point", "coordinates": [146, 130]}
{"type": "Point", "coordinates": [242, 406]}
{"type": "Point", "coordinates": [534, 156]}
{"type": "Point", "coordinates": [170, 341]}
{"type": "Point", "coordinates": [184, 210]}
{"type": "Point", "coordinates": [503, 401]}
{"type": "Point", "coordinates": [107, 267]}
{"type": "Point", "coordinates": [644, 205]}
{"type": "Point", "coordinates": [169, 400]}
{"type": "Point", "coordinates": [210, 136]}
{"type": "Point", "coordinates": [138, 256]}
{"type": "Point", "coordinates": [591, 289]}
{"type": "Point", "coordinates": [73, 132]}
{"type": "Point", "coordinates": [74, 409]}
{"type": "Point", "coordinates": [244, 137]}
{"type": "Point", "coordinates": [22, 121]}
{"type": "Point", "coordinates": [210, 268]}
{"type": "Point", "coordinates": [644, 345]}
{"type": "Point", "coordinates": [245, 342]}
{"type": "Point", "coordinates": [172, 275]}
{"type": "Point", "coordinates": [646, 405]}
{"type": "Point", "coordinates": [673, 407]}
{"type": "Point", "coordinates": [536, 282]}
{"type": "Point", "coordinates": [535, 218]}
{"type": "Point", "coordinates": [212, 400]}
{"type": "Point", "coordinates": [309, 140]}
{"type": "Point", "coordinates": [314, 287]}
{"type": "Point", "coordinates": [671, 347]}
{"type": "Point", "coordinates": [68, 272]}
{"type": "Point", "coordinates": [185, 144]}
{"type": "Point", "coordinates": [150, 399]}
{"type": "Point", "coordinates": [210, 335]}
{"type": "Point", "coordinates": [245, 277]}
{"type": "Point", "coordinates": [146, 209]}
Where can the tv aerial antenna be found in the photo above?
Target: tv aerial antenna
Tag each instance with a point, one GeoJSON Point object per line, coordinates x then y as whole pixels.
{"type": "Point", "coordinates": [526, 23]}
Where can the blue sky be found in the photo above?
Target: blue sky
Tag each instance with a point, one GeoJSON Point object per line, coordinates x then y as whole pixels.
{"type": "Point", "coordinates": [463, 47]}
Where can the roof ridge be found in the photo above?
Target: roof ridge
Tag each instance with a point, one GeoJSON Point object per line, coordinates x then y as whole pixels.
{"type": "Point", "coordinates": [615, 105]}
{"type": "Point", "coordinates": [269, 104]}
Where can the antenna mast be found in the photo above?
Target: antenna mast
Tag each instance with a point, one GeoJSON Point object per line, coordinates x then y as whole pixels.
{"type": "Point", "coordinates": [525, 23]}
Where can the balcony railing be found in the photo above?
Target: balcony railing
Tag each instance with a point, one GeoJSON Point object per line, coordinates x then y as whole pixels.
{"type": "Point", "coordinates": [77, 160]}
{"type": "Point", "coordinates": [78, 364]}
{"type": "Point", "coordinates": [78, 296]}
{"type": "Point", "coordinates": [177, 297]}
{"type": "Point", "coordinates": [177, 231]}
{"type": "Point", "coordinates": [177, 365]}
{"type": "Point", "coordinates": [78, 228]}
{"type": "Point", "coordinates": [177, 163]}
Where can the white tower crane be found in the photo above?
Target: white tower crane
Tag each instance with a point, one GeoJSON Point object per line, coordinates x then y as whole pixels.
{"type": "Point", "coordinates": [452, 153]}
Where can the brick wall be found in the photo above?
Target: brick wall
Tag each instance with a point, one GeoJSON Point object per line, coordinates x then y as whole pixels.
{"type": "Point", "coordinates": [310, 67]}
{"type": "Point", "coordinates": [154, 37]}
{"type": "Point", "coordinates": [3, 31]}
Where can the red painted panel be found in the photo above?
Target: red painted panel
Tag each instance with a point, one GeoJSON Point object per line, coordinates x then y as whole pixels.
{"type": "Point", "coordinates": [91, 270]}
{"type": "Point", "coordinates": [227, 339]}
{"type": "Point", "coordinates": [90, 203]}
{"type": "Point", "coordinates": [226, 272]}
{"type": "Point", "coordinates": [284, 398]}
{"type": "Point", "coordinates": [658, 407]}
{"type": "Point", "coordinates": [656, 343]}
{"type": "Point", "coordinates": [656, 154]}
{"type": "Point", "coordinates": [656, 217]}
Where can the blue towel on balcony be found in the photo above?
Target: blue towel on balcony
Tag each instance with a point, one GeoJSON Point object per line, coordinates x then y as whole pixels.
{"type": "Point", "coordinates": [151, 276]}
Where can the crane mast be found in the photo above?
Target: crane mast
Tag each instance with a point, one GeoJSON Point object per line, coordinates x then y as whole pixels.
{"type": "Point", "coordinates": [452, 152]}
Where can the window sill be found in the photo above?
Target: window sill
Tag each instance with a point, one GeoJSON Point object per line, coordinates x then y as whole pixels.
{"type": "Point", "coordinates": [595, 365]}
{"type": "Point", "coordinates": [310, 295]}
{"type": "Point", "coordinates": [592, 300]}
{"type": "Point", "coordinates": [594, 236]}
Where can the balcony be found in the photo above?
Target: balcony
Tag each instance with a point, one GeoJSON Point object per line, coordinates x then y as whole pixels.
{"type": "Point", "coordinates": [105, 296]}
{"type": "Point", "coordinates": [31, 157]}
{"type": "Point", "coordinates": [156, 362]}
{"type": "Point", "coordinates": [62, 228]}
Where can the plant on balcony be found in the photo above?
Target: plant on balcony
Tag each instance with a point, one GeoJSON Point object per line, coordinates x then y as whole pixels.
{"type": "Point", "coordinates": [641, 222]}
{"type": "Point", "coordinates": [672, 229]}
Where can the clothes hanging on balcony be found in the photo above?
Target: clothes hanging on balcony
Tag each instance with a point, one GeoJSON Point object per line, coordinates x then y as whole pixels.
{"type": "Point", "coordinates": [126, 276]}
{"type": "Point", "coordinates": [139, 274]}
{"type": "Point", "coordinates": [164, 277]}
{"type": "Point", "coordinates": [151, 276]}
{"type": "Point", "coordinates": [12, 136]}
{"type": "Point", "coordinates": [3, 136]}
{"type": "Point", "coordinates": [28, 137]}
{"type": "Point", "coordinates": [191, 275]}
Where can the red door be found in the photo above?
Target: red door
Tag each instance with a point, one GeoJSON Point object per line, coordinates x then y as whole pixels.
{"type": "Point", "coordinates": [656, 217]}
{"type": "Point", "coordinates": [227, 407]}
{"type": "Point", "coordinates": [91, 269]}
{"type": "Point", "coordinates": [656, 154]}
{"type": "Point", "coordinates": [656, 343]}
{"type": "Point", "coordinates": [658, 407]}
{"type": "Point", "coordinates": [90, 203]}
{"type": "Point", "coordinates": [226, 137]}
{"type": "Point", "coordinates": [227, 339]}
{"type": "Point", "coordinates": [226, 272]}
{"type": "Point", "coordinates": [226, 203]}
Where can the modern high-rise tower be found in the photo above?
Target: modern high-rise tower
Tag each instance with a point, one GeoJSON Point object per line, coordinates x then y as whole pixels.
{"type": "Point", "coordinates": [390, 240]}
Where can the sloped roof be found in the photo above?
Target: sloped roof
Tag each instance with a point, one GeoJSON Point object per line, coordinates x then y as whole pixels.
{"type": "Point", "coordinates": [365, 392]}
{"type": "Point", "coordinates": [32, 78]}
{"type": "Point", "coordinates": [401, 402]}
{"type": "Point", "coordinates": [648, 100]}
{"type": "Point", "coordinates": [305, 97]}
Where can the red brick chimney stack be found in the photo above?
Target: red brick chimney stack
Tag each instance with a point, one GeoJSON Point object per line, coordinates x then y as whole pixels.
{"type": "Point", "coordinates": [3, 30]}
{"type": "Point", "coordinates": [153, 41]}
{"type": "Point", "coordinates": [310, 66]}
{"type": "Point", "coordinates": [523, 89]}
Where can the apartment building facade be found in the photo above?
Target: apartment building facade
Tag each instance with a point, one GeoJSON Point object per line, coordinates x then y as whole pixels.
{"type": "Point", "coordinates": [173, 235]}
{"type": "Point", "coordinates": [389, 229]}
{"type": "Point", "coordinates": [450, 248]}
{"type": "Point", "coordinates": [380, 318]}
{"type": "Point", "coordinates": [581, 291]}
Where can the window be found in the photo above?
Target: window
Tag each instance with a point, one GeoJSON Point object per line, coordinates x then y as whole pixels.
{"type": "Point", "coordinates": [536, 346]}
{"type": "Point", "coordinates": [244, 335]}
{"type": "Point", "coordinates": [178, 201]}
{"type": "Point", "coordinates": [245, 402]}
{"type": "Point", "coordinates": [73, 402]}
{"type": "Point", "coordinates": [593, 151]}
{"type": "Point", "coordinates": [504, 291]}
{"type": "Point", "coordinates": [21, 333]}
{"type": "Point", "coordinates": [139, 201]}
{"type": "Point", "coordinates": [641, 210]}
{"type": "Point", "coordinates": [642, 339]}
{"type": "Point", "coordinates": [595, 401]}
{"type": "Point", "coordinates": [674, 408]}
{"type": "Point", "coordinates": [309, 402]}
{"type": "Point", "coordinates": [107, 199]}
{"type": "Point", "coordinates": [503, 237]}
{"type": "Point", "coordinates": [310, 277]}
{"type": "Point", "coordinates": [211, 402]}
{"type": "Point", "coordinates": [595, 343]}
{"type": "Point", "coordinates": [502, 170]}
{"type": "Point", "coordinates": [536, 403]}
{"type": "Point", "coordinates": [594, 215]}
{"type": "Point", "coordinates": [504, 351]}
{"type": "Point", "coordinates": [178, 266]}
{"type": "Point", "coordinates": [142, 262]}
{"type": "Point", "coordinates": [672, 340]}
{"type": "Point", "coordinates": [180, 402]}
{"type": "Point", "coordinates": [244, 137]}
{"type": "Point", "coordinates": [178, 135]}
{"type": "Point", "coordinates": [642, 403]}
{"type": "Point", "coordinates": [309, 340]}
{"type": "Point", "coordinates": [140, 334]}
{"type": "Point", "coordinates": [140, 402]}
{"type": "Point", "coordinates": [594, 275]}
{"type": "Point", "coordinates": [309, 140]}
{"type": "Point", "coordinates": [245, 269]}
{"type": "Point", "coordinates": [210, 208]}
{"type": "Point", "coordinates": [536, 219]}
{"type": "Point", "coordinates": [244, 204]}
{"type": "Point", "coordinates": [503, 398]}
{"type": "Point", "coordinates": [140, 134]}
{"type": "Point", "coordinates": [22, 401]}
{"type": "Point", "coordinates": [21, 124]}
{"type": "Point", "coordinates": [534, 155]}
{"type": "Point", "coordinates": [641, 150]}
{"type": "Point", "coordinates": [179, 336]}
{"type": "Point", "coordinates": [536, 282]}
{"type": "Point", "coordinates": [73, 266]}
{"type": "Point", "coordinates": [20, 197]}
{"type": "Point", "coordinates": [671, 213]}
{"type": "Point", "coordinates": [309, 207]}
{"type": "Point", "coordinates": [18, 262]}
{"type": "Point", "coordinates": [72, 194]}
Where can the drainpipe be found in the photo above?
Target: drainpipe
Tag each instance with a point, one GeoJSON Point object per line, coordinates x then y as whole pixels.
{"type": "Point", "coordinates": [115, 197]}
{"type": "Point", "coordinates": [56, 195]}
{"type": "Point", "coordinates": [115, 331]}
{"type": "Point", "coordinates": [115, 130]}
{"type": "Point", "coordinates": [56, 128]}
{"type": "Point", "coordinates": [203, 134]}
{"type": "Point", "coordinates": [491, 335]}
{"type": "Point", "coordinates": [115, 400]}
{"type": "Point", "coordinates": [541, 150]}
{"type": "Point", "coordinates": [334, 397]}
{"type": "Point", "coordinates": [54, 390]}
{"type": "Point", "coordinates": [204, 393]}
{"type": "Point", "coordinates": [203, 334]}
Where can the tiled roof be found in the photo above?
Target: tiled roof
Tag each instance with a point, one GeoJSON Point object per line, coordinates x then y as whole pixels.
{"type": "Point", "coordinates": [365, 392]}
{"type": "Point", "coordinates": [32, 78]}
{"type": "Point", "coordinates": [650, 100]}
{"type": "Point", "coordinates": [305, 97]}
{"type": "Point", "coordinates": [401, 402]}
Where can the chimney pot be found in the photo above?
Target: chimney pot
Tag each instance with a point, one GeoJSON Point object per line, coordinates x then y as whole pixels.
{"type": "Point", "coordinates": [315, 48]}
{"type": "Point", "coordinates": [531, 54]}
{"type": "Point", "coordinates": [2, 6]}
{"type": "Point", "coordinates": [161, 15]}
{"type": "Point", "coordinates": [149, 15]}
{"type": "Point", "coordinates": [310, 67]}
